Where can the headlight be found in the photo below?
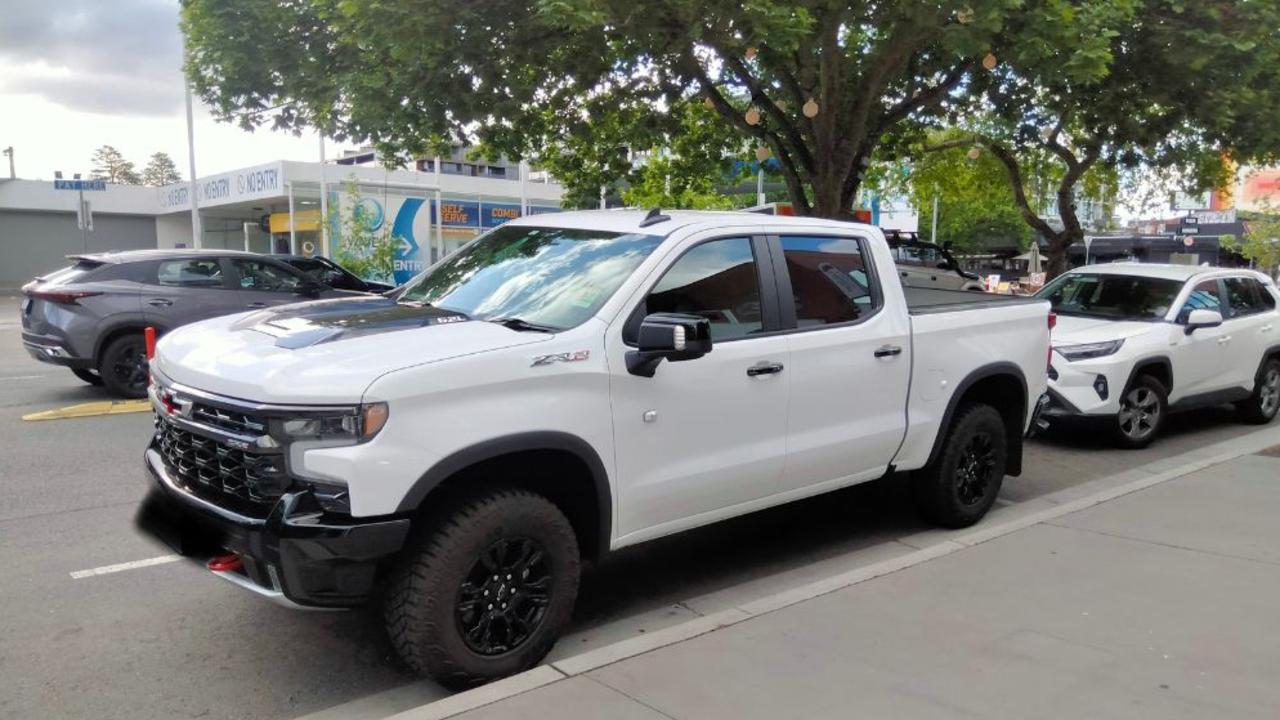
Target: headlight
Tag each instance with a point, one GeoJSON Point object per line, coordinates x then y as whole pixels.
{"type": "Point", "coordinates": [1085, 351]}
{"type": "Point", "coordinates": [358, 424]}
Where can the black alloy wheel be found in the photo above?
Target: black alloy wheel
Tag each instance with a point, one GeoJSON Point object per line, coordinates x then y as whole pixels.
{"type": "Point", "coordinates": [504, 597]}
{"type": "Point", "coordinates": [123, 366]}
{"type": "Point", "coordinates": [976, 465]}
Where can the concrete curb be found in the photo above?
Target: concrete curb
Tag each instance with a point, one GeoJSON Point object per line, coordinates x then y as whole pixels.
{"type": "Point", "coordinates": [1062, 503]}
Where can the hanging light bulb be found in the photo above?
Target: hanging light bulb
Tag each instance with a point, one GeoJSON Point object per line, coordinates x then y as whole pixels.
{"type": "Point", "coordinates": [750, 54]}
{"type": "Point", "coordinates": [974, 152]}
{"type": "Point", "coordinates": [753, 116]}
{"type": "Point", "coordinates": [989, 62]}
{"type": "Point", "coordinates": [781, 105]}
{"type": "Point", "coordinates": [762, 153]}
{"type": "Point", "coordinates": [965, 15]}
{"type": "Point", "coordinates": [810, 108]}
{"type": "Point", "coordinates": [711, 104]}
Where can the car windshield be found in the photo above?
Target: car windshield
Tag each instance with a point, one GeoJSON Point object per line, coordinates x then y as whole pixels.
{"type": "Point", "coordinates": [549, 277]}
{"type": "Point", "coordinates": [1113, 297]}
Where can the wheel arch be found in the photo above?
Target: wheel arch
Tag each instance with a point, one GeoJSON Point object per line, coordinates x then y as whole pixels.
{"type": "Point", "coordinates": [1159, 367]}
{"type": "Point", "coordinates": [119, 328]}
{"type": "Point", "coordinates": [573, 477]}
{"type": "Point", "coordinates": [1001, 385]}
{"type": "Point", "coordinates": [1271, 353]}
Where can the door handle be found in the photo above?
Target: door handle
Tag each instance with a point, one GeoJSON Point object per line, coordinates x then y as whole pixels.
{"type": "Point", "coordinates": [160, 302]}
{"type": "Point", "coordinates": [1224, 339]}
{"type": "Point", "coordinates": [888, 351]}
{"type": "Point", "coordinates": [1265, 328]}
{"type": "Point", "coordinates": [764, 368]}
{"type": "Point", "coordinates": [256, 305]}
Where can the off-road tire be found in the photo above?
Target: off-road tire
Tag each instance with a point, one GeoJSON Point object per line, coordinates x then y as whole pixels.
{"type": "Point", "coordinates": [88, 376]}
{"type": "Point", "coordinates": [124, 352]}
{"type": "Point", "coordinates": [1144, 395]}
{"type": "Point", "coordinates": [1262, 405]}
{"type": "Point", "coordinates": [422, 597]}
{"type": "Point", "coordinates": [946, 492]}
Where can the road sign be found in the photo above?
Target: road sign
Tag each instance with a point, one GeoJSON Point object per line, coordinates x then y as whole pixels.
{"type": "Point", "coordinates": [1188, 241]}
{"type": "Point", "coordinates": [1189, 230]}
{"type": "Point", "coordinates": [80, 185]}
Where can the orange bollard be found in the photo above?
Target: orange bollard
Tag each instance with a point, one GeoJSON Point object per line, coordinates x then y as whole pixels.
{"type": "Point", "coordinates": [150, 335]}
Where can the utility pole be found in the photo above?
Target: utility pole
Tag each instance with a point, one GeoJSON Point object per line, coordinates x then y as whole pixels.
{"type": "Point", "coordinates": [9, 151]}
{"type": "Point", "coordinates": [324, 206]}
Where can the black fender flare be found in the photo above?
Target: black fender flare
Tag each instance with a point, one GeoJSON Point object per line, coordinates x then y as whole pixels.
{"type": "Point", "coordinates": [995, 369]}
{"type": "Point", "coordinates": [1271, 352]}
{"type": "Point", "coordinates": [1156, 360]}
{"type": "Point", "coordinates": [507, 444]}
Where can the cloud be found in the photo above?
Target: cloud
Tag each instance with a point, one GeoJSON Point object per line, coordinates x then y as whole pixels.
{"type": "Point", "coordinates": [117, 57]}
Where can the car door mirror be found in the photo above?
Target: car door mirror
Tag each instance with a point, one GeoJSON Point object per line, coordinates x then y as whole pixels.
{"type": "Point", "coordinates": [1202, 318]}
{"type": "Point", "coordinates": [668, 336]}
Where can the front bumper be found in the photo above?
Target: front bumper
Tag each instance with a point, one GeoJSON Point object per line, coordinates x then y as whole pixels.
{"type": "Point", "coordinates": [1086, 387]}
{"type": "Point", "coordinates": [298, 554]}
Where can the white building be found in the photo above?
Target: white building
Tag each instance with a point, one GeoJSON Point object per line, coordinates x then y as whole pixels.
{"type": "Point", "coordinates": [274, 207]}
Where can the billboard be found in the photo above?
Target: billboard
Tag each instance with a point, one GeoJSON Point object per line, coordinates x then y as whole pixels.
{"type": "Point", "coordinates": [411, 221]}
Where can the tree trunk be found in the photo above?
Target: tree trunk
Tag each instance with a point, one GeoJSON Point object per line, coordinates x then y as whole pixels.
{"type": "Point", "coordinates": [1057, 257]}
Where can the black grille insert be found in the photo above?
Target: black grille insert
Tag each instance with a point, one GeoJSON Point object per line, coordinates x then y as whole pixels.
{"type": "Point", "coordinates": [209, 466]}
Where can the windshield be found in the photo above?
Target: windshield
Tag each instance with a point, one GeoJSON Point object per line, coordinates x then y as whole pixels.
{"type": "Point", "coordinates": [551, 277]}
{"type": "Point", "coordinates": [1113, 297]}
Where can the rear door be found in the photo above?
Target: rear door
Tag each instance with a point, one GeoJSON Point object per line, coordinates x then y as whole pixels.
{"type": "Point", "coordinates": [1251, 327]}
{"type": "Point", "coordinates": [1199, 358]}
{"type": "Point", "coordinates": [850, 361]}
{"type": "Point", "coordinates": [186, 289]}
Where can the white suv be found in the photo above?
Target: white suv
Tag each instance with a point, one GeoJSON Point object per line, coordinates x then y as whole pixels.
{"type": "Point", "coordinates": [1134, 342]}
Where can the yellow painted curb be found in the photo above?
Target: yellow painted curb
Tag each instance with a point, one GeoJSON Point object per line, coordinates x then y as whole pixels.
{"type": "Point", "coordinates": [106, 407]}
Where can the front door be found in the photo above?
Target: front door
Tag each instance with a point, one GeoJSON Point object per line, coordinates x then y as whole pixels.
{"type": "Point", "coordinates": [264, 284]}
{"type": "Point", "coordinates": [1200, 359]}
{"type": "Point", "coordinates": [702, 436]}
{"type": "Point", "coordinates": [852, 363]}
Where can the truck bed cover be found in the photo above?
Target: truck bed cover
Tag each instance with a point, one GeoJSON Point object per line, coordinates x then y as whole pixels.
{"type": "Point", "coordinates": [926, 301]}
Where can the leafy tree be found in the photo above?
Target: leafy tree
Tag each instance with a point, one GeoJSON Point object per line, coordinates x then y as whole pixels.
{"type": "Point", "coordinates": [820, 84]}
{"type": "Point", "coordinates": [160, 170]}
{"type": "Point", "coordinates": [1261, 241]}
{"type": "Point", "coordinates": [110, 165]}
{"type": "Point", "coordinates": [1183, 83]}
{"type": "Point", "coordinates": [368, 253]}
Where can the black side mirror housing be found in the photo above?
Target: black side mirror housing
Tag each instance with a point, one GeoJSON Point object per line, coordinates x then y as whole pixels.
{"type": "Point", "coordinates": [668, 336]}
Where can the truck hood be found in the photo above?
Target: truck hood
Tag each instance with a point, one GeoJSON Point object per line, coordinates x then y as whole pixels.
{"type": "Point", "coordinates": [1072, 330]}
{"type": "Point", "coordinates": [328, 351]}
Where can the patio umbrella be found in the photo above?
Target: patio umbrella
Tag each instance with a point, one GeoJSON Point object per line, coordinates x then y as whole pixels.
{"type": "Point", "coordinates": [1033, 259]}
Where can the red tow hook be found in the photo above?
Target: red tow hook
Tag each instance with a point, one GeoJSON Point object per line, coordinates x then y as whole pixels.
{"type": "Point", "coordinates": [224, 563]}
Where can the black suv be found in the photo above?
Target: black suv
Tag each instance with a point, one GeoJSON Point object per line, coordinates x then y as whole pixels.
{"type": "Point", "coordinates": [90, 316]}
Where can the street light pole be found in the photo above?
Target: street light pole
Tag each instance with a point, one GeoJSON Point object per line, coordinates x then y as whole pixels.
{"type": "Point", "coordinates": [933, 220]}
{"type": "Point", "coordinates": [9, 151]}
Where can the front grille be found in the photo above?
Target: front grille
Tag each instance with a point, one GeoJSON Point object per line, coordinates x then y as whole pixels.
{"type": "Point", "coordinates": [229, 420]}
{"type": "Point", "coordinates": [211, 467]}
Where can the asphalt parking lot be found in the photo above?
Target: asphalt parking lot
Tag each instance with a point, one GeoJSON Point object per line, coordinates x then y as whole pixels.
{"type": "Point", "coordinates": [168, 640]}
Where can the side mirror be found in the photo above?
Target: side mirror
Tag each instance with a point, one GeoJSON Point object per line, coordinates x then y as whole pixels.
{"type": "Point", "coordinates": [668, 336]}
{"type": "Point", "coordinates": [1202, 319]}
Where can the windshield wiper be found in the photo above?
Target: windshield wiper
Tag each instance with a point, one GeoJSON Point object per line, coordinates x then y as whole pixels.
{"type": "Point", "coordinates": [522, 325]}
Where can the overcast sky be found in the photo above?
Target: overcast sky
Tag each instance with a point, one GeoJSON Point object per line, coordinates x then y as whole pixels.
{"type": "Point", "coordinates": [78, 74]}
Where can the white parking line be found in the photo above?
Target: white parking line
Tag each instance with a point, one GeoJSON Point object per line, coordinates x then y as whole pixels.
{"type": "Point", "coordinates": [23, 377]}
{"type": "Point", "coordinates": [120, 567]}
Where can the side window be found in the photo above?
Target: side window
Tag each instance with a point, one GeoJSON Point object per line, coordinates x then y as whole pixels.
{"type": "Point", "coordinates": [257, 275]}
{"type": "Point", "coordinates": [829, 279]}
{"type": "Point", "coordinates": [202, 272]}
{"type": "Point", "coordinates": [1204, 296]}
{"type": "Point", "coordinates": [1241, 299]}
{"type": "Point", "coordinates": [717, 280]}
{"type": "Point", "coordinates": [1266, 301]}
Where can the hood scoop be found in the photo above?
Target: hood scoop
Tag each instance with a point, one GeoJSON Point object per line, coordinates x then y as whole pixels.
{"type": "Point", "coordinates": [307, 324]}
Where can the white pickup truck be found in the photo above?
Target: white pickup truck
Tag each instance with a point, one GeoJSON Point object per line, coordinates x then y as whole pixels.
{"type": "Point", "coordinates": [564, 386]}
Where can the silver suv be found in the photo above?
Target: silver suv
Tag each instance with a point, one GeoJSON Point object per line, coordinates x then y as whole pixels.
{"type": "Point", "coordinates": [90, 316]}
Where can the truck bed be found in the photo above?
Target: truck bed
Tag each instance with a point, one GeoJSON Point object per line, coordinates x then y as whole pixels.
{"type": "Point", "coordinates": [926, 301]}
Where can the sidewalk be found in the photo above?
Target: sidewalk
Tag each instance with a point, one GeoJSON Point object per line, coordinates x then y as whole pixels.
{"type": "Point", "coordinates": [1158, 604]}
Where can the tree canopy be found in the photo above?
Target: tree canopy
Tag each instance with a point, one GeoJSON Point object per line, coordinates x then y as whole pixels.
{"type": "Point", "coordinates": [110, 165]}
{"type": "Point", "coordinates": [820, 84]}
{"type": "Point", "coordinates": [160, 170]}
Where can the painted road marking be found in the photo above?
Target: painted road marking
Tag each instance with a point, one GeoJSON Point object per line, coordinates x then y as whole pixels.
{"type": "Point", "coordinates": [120, 567]}
{"type": "Point", "coordinates": [105, 407]}
{"type": "Point", "coordinates": [23, 377]}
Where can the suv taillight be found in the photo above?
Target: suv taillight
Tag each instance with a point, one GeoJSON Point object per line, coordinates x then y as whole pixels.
{"type": "Point", "coordinates": [62, 297]}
